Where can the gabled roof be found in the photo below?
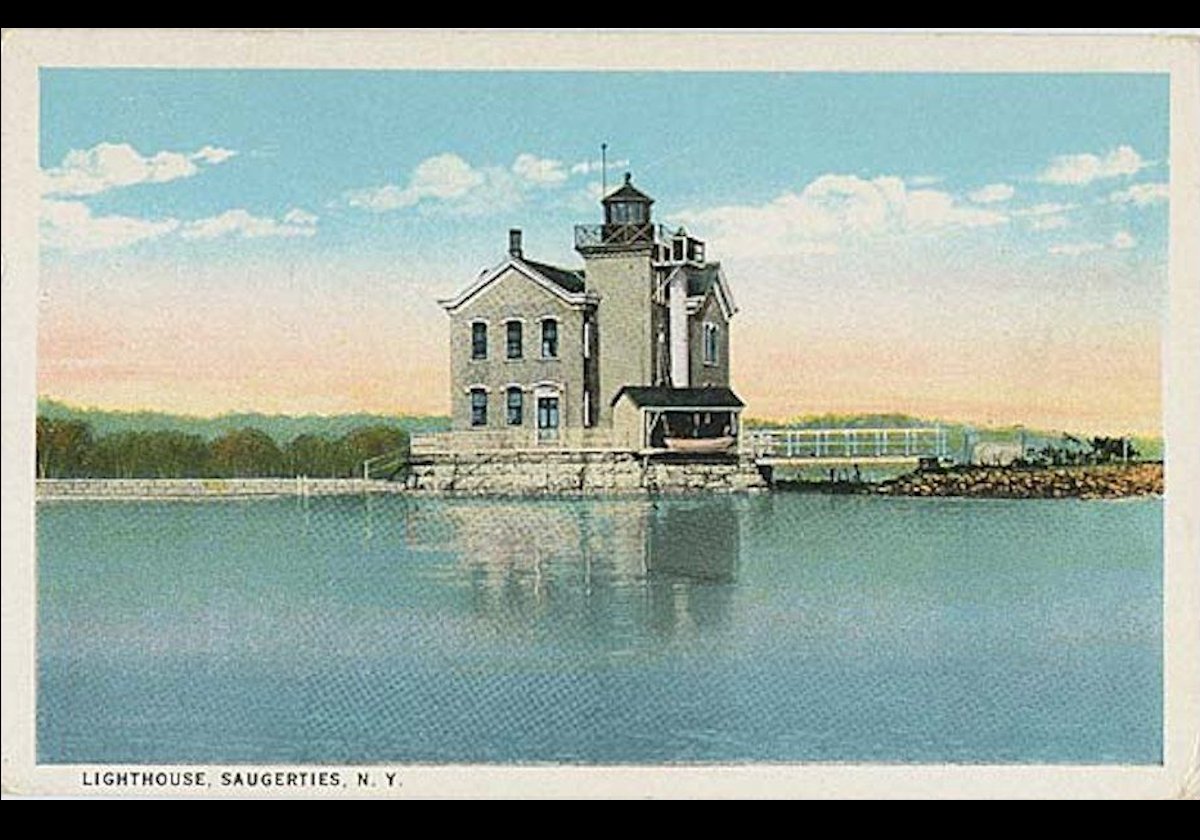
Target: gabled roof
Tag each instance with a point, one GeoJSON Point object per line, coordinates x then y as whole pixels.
{"type": "Point", "coordinates": [700, 280]}
{"type": "Point", "coordinates": [709, 278]}
{"type": "Point", "coordinates": [563, 283]}
{"type": "Point", "coordinates": [644, 396]}
{"type": "Point", "coordinates": [570, 280]}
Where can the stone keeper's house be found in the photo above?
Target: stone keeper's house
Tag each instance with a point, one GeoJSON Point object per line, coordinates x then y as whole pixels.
{"type": "Point", "coordinates": [629, 353]}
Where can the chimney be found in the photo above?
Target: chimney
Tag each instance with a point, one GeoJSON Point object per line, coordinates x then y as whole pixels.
{"type": "Point", "coordinates": [514, 243]}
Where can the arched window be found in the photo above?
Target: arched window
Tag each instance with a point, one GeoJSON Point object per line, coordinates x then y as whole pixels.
{"type": "Point", "coordinates": [479, 406]}
{"type": "Point", "coordinates": [549, 338]}
{"type": "Point", "coordinates": [711, 343]}
{"type": "Point", "coordinates": [513, 339]}
{"type": "Point", "coordinates": [479, 348]}
{"type": "Point", "coordinates": [515, 400]}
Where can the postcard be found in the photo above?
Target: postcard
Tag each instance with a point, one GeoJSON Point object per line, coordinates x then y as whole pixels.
{"type": "Point", "coordinates": [471, 414]}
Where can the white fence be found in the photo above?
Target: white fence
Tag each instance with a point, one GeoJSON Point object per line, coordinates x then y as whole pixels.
{"type": "Point", "coordinates": [814, 444]}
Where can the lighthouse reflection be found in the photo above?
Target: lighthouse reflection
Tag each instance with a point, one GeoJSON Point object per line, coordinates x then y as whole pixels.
{"type": "Point", "coordinates": [621, 568]}
{"type": "Point", "coordinates": [691, 554]}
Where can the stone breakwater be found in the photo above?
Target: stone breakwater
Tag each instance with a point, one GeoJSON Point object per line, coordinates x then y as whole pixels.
{"type": "Point", "coordinates": [190, 488]}
{"type": "Point", "coordinates": [1091, 482]}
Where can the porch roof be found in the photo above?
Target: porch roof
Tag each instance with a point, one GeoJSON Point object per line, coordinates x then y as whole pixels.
{"type": "Point", "coordinates": [644, 396]}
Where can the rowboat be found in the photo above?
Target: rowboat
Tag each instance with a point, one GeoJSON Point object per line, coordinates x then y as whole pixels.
{"type": "Point", "coordinates": [713, 444]}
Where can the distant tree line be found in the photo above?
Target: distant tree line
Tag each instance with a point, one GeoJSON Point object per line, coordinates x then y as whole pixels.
{"type": "Point", "coordinates": [69, 449]}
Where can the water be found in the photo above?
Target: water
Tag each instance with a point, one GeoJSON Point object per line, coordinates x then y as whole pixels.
{"type": "Point", "coordinates": [772, 628]}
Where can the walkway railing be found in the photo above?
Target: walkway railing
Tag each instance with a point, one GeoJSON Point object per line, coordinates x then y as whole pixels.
{"type": "Point", "coordinates": [865, 444]}
{"type": "Point", "coordinates": [387, 465]}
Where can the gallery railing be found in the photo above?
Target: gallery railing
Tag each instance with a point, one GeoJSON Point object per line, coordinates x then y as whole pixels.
{"type": "Point", "coordinates": [601, 236]}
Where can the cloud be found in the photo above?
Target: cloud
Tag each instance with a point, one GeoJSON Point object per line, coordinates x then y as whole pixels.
{"type": "Point", "coordinates": [1044, 209]}
{"type": "Point", "coordinates": [243, 225]}
{"type": "Point", "coordinates": [296, 216]}
{"type": "Point", "coordinates": [935, 210]}
{"type": "Point", "coordinates": [1082, 169]}
{"type": "Point", "coordinates": [1142, 195]}
{"type": "Point", "coordinates": [447, 183]}
{"type": "Point", "coordinates": [992, 193]}
{"type": "Point", "coordinates": [584, 198]}
{"type": "Point", "coordinates": [213, 154]}
{"type": "Point", "coordinates": [1122, 240]}
{"type": "Point", "coordinates": [924, 180]}
{"type": "Point", "coordinates": [1074, 249]}
{"type": "Point", "coordinates": [111, 165]}
{"type": "Point", "coordinates": [443, 176]}
{"type": "Point", "coordinates": [833, 208]}
{"type": "Point", "coordinates": [70, 226]}
{"type": "Point", "coordinates": [1049, 223]}
{"type": "Point", "coordinates": [536, 170]}
{"type": "Point", "coordinates": [594, 167]}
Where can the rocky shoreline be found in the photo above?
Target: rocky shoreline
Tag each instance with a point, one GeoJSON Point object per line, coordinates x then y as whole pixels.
{"type": "Point", "coordinates": [1109, 481]}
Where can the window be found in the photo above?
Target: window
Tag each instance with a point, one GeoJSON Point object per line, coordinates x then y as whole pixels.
{"type": "Point", "coordinates": [627, 213]}
{"type": "Point", "coordinates": [478, 340]}
{"type": "Point", "coordinates": [478, 407]}
{"type": "Point", "coordinates": [710, 343]}
{"type": "Point", "coordinates": [587, 339]}
{"type": "Point", "coordinates": [549, 339]}
{"type": "Point", "coordinates": [547, 418]}
{"type": "Point", "coordinates": [516, 406]}
{"type": "Point", "coordinates": [513, 329]}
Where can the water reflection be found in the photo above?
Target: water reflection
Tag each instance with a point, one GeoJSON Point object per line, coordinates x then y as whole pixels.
{"type": "Point", "coordinates": [614, 567]}
{"type": "Point", "coordinates": [782, 628]}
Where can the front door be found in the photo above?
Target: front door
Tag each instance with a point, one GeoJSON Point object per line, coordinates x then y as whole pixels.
{"type": "Point", "coordinates": [547, 419]}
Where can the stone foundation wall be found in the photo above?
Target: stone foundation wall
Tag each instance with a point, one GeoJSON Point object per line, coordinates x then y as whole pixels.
{"type": "Point", "coordinates": [567, 473]}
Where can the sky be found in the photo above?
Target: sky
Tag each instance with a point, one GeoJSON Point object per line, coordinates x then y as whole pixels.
{"type": "Point", "coordinates": [986, 248]}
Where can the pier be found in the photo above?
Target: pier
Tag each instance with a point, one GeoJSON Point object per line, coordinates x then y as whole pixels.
{"type": "Point", "coordinates": [799, 446]}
